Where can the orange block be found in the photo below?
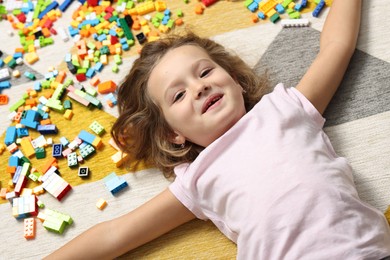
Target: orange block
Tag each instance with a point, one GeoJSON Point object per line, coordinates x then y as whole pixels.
{"type": "Point", "coordinates": [45, 122]}
{"type": "Point", "coordinates": [3, 99]}
{"type": "Point", "coordinates": [48, 164]}
{"type": "Point", "coordinates": [11, 170]}
{"type": "Point", "coordinates": [106, 87]}
{"type": "Point", "coordinates": [61, 76]}
{"type": "Point", "coordinates": [94, 81]}
{"type": "Point", "coordinates": [29, 228]}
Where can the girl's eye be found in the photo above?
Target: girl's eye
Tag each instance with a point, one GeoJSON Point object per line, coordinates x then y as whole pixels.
{"type": "Point", "coordinates": [178, 96]}
{"type": "Point", "coordinates": [204, 73]}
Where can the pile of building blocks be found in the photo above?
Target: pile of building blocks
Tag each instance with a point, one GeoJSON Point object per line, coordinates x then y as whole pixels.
{"type": "Point", "coordinates": [103, 29]}
{"type": "Point", "coordinates": [273, 9]}
{"type": "Point", "coordinates": [32, 114]}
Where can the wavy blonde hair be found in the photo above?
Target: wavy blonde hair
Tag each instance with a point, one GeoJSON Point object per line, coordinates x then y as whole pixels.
{"type": "Point", "coordinates": [142, 131]}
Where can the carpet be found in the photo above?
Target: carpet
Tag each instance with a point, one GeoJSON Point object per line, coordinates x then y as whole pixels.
{"type": "Point", "coordinates": [358, 124]}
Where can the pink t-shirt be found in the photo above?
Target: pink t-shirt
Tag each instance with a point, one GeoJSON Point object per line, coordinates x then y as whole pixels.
{"type": "Point", "coordinates": [274, 185]}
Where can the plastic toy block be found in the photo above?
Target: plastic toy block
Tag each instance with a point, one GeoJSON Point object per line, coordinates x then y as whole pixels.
{"type": "Point", "coordinates": [5, 84]}
{"type": "Point", "coordinates": [22, 132]}
{"type": "Point", "coordinates": [10, 135]}
{"type": "Point", "coordinates": [86, 151]}
{"type": "Point", "coordinates": [27, 147]}
{"type": "Point", "coordinates": [101, 204]}
{"type": "Point", "coordinates": [31, 57]}
{"type": "Point", "coordinates": [48, 164]}
{"type": "Point", "coordinates": [68, 114]}
{"type": "Point", "coordinates": [87, 137]}
{"type": "Point", "coordinates": [31, 119]}
{"type": "Point", "coordinates": [40, 153]}
{"type": "Point", "coordinates": [295, 22]}
{"type": "Point", "coordinates": [47, 129]}
{"type": "Point", "coordinates": [29, 228]}
{"type": "Point", "coordinates": [3, 191]}
{"type": "Point", "coordinates": [72, 159]}
{"type": "Point", "coordinates": [97, 128]}
{"type": "Point", "coordinates": [318, 9]}
{"type": "Point", "coordinates": [267, 5]}
{"type": "Point", "coordinates": [123, 24]}
{"type": "Point", "coordinates": [24, 207]}
{"type": "Point", "coordinates": [114, 183]}
{"type": "Point", "coordinates": [83, 171]}
{"type": "Point", "coordinates": [106, 87]}
{"type": "Point", "coordinates": [50, 7]}
{"type": "Point", "coordinates": [119, 158]}
{"type": "Point", "coordinates": [56, 221]}
{"type": "Point", "coordinates": [4, 74]}
{"type": "Point", "coordinates": [20, 184]}
{"type": "Point", "coordinates": [29, 75]}
{"type": "Point", "coordinates": [65, 5]}
{"type": "Point", "coordinates": [3, 99]}
{"type": "Point", "coordinates": [54, 184]}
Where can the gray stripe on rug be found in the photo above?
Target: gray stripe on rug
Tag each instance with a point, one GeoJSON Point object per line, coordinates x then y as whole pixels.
{"type": "Point", "coordinates": [22, 68]}
{"type": "Point", "coordinates": [364, 91]}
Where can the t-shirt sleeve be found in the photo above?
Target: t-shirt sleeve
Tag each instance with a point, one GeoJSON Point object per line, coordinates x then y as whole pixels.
{"type": "Point", "coordinates": [181, 189]}
{"type": "Point", "coordinates": [307, 106]}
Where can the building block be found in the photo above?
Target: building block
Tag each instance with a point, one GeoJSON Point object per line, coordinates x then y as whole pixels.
{"type": "Point", "coordinates": [10, 135]}
{"type": "Point", "coordinates": [47, 129]}
{"type": "Point", "coordinates": [54, 184]}
{"type": "Point", "coordinates": [72, 159]}
{"type": "Point", "coordinates": [24, 207]}
{"type": "Point", "coordinates": [55, 221]}
{"type": "Point", "coordinates": [29, 228]}
{"type": "Point", "coordinates": [97, 128]}
{"type": "Point", "coordinates": [101, 204]}
{"type": "Point", "coordinates": [114, 183]}
{"type": "Point", "coordinates": [27, 147]}
{"type": "Point", "coordinates": [318, 9]}
{"type": "Point", "coordinates": [83, 171]}
{"type": "Point", "coordinates": [106, 87]}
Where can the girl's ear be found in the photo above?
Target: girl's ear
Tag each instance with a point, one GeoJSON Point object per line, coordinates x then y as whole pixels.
{"type": "Point", "coordinates": [178, 138]}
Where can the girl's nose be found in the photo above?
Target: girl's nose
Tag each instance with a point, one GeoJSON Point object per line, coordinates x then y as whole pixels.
{"type": "Point", "coordinates": [200, 90]}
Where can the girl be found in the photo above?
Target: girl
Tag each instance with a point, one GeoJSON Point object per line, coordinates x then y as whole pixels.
{"type": "Point", "coordinates": [263, 171]}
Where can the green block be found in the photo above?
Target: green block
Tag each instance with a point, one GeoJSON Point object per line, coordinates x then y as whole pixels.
{"type": "Point", "coordinates": [274, 18]}
{"type": "Point", "coordinates": [17, 104]}
{"type": "Point", "coordinates": [40, 153]}
{"type": "Point", "coordinates": [97, 128]}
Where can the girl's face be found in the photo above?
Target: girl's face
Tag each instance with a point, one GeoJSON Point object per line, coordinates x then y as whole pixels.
{"type": "Point", "coordinates": [198, 98]}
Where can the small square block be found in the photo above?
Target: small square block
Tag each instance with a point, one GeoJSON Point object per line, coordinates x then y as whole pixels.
{"type": "Point", "coordinates": [83, 171]}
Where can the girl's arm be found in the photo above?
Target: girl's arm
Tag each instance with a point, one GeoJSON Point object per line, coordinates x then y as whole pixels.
{"type": "Point", "coordinates": [116, 237]}
{"type": "Point", "coordinates": [337, 44]}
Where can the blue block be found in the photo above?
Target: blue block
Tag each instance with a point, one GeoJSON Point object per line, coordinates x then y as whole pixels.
{"type": "Point", "coordinates": [279, 8]}
{"type": "Point", "coordinates": [13, 161]}
{"type": "Point", "coordinates": [50, 7]}
{"type": "Point", "coordinates": [5, 84]}
{"type": "Point", "coordinates": [22, 132]}
{"type": "Point", "coordinates": [98, 66]}
{"type": "Point", "coordinates": [261, 15]}
{"type": "Point", "coordinates": [86, 137]}
{"type": "Point", "coordinates": [31, 119]}
{"type": "Point", "coordinates": [318, 8]}
{"type": "Point", "coordinates": [304, 3]}
{"type": "Point", "coordinates": [65, 5]}
{"type": "Point", "coordinates": [115, 183]}
{"type": "Point", "coordinates": [47, 129]}
{"type": "Point", "coordinates": [90, 73]}
{"type": "Point", "coordinates": [253, 7]}
{"type": "Point", "coordinates": [57, 150]}
{"type": "Point", "coordinates": [10, 135]}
